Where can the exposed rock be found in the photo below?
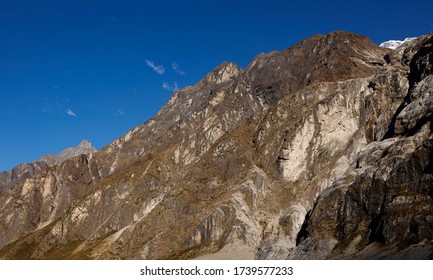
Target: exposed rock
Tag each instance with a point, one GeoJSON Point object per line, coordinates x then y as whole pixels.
{"type": "Point", "coordinates": [323, 150]}
{"type": "Point", "coordinates": [26, 170]}
{"type": "Point", "coordinates": [389, 205]}
{"type": "Point", "coordinates": [84, 148]}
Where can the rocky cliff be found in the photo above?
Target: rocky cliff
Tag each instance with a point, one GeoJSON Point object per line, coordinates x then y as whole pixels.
{"type": "Point", "coordinates": [323, 150]}
{"type": "Point", "coordinates": [24, 171]}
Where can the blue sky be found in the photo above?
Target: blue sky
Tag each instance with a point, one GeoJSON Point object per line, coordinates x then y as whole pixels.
{"type": "Point", "coordinates": [74, 70]}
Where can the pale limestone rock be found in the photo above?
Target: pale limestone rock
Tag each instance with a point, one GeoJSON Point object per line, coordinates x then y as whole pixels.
{"type": "Point", "coordinates": [312, 152]}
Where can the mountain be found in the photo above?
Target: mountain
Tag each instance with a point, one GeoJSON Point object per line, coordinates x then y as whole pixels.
{"type": "Point", "coordinates": [393, 44]}
{"type": "Point", "coordinates": [84, 148]}
{"type": "Point", "coordinates": [323, 150]}
{"type": "Point", "coordinates": [26, 170]}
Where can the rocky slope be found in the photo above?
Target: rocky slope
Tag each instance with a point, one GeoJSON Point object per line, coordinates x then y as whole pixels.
{"type": "Point", "coordinates": [323, 150]}
{"type": "Point", "coordinates": [24, 171]}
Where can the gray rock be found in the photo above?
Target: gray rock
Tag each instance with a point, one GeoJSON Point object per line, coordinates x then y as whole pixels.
{"type": "Point", "coordinates": [26, 170]}
{"type": "Point", "coordinates": [323, 150]}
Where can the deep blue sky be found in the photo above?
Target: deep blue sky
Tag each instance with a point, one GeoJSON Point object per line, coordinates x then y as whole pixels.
{"type": "Point", "coordinates": [74, 70]}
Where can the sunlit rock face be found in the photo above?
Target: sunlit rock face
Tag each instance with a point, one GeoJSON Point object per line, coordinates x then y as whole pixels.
{"type": "Point", "coordinates": [323, 150]}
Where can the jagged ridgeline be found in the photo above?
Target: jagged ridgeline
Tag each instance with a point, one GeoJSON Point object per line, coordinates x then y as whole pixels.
{"type": "Point", "coordinates": [323, 150]}
{"type": "Point", "coordinates": [26, 170]}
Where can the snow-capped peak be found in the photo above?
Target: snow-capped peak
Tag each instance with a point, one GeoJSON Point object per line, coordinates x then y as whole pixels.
{"type": "Point", "coordinates": [393, 44]}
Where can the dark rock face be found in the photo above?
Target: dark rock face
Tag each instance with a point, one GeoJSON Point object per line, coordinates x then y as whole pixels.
{"type": "Point", "coordinates": [323, 150]}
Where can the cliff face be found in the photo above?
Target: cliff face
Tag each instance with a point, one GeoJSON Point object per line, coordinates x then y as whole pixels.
{"type": "Point", "coordinates": [323, 150]}
{"type": "Point", "coordinates": [382, 206]}
{"type": "Point", "coordinates": [24, 171]}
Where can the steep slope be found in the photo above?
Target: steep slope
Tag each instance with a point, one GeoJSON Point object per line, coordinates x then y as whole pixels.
{"type": "Point", "coordinates": [297, 156]}
{"type": "Point", "coordinates": [24, 171]}
{"type": "Point", "coordinates": [382, 206]}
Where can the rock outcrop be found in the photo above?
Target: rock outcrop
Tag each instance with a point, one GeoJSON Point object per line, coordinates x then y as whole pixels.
{"type": "Point", "coordinates": [24, 171]}
{"type": "Point", "coordinates": [323, 150]}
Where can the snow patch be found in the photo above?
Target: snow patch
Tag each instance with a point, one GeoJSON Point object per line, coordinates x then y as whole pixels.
{"type": "Point", "coordinates": [393, 44]}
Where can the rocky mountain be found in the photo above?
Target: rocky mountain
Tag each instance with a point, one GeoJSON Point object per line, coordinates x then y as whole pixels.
{"type": "Point", "coordinates": [323, 150]}
{"type": "Point", "coordinates": [26, 170]}
{"type": "Point", "coordinates": [84, 148]}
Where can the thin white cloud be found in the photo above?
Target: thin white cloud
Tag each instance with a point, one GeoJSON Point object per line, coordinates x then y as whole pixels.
{"type": "Point", "coordinates": [157, 68]}
{"type": "Point", "coordinates": [114, 19]}
{"type": "Point", "coordinates": [119, 113]}
{"type": "Point", "coordinates": [70, 113]}
{"type": "Point", "coordinates": [177, 69]}
{"type": "Point", "coordinates": [167, 86]}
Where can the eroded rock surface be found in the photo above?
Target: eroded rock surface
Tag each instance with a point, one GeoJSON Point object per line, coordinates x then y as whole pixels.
{"type": "Point", "coordinates": [323, 150]}
{"type": "Point", "coordinates": [26, 170]}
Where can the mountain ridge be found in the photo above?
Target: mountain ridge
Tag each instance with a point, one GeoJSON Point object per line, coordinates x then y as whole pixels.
{"type": "Point", "coordinates": [393, 44]}
{"type": "Point", "coordinates": [85, 147]}
{"type": "Point", "coordinates": [313, 152]}
{"type": "Point", "coordinates": [26, 170]}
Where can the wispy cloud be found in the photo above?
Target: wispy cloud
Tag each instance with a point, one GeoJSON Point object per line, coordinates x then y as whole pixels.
{"type": "Point", "coordinates": [119, 113]}
{"type": "Point", "coordinates": [70, 113]}
{"type": "Point", "coordinates": [157, 68]}
{"type": "Point", "coordinates": [169, 87]}
{"type": "Point", "coordinates": [177, 69]}
{"type": "Point", "coordinates": [114, 19]}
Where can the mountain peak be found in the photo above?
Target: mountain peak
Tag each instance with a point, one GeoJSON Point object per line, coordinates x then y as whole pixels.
{"type": "Point", "coordinates": [336, 56]}
{"type": "Point", "coordinates": [85, 147]}
{"type": "Point", "coordinates": [258, 163]}
{"type": "Point", "coordinates": [222, 73]}
{"type": "Point", "coordinates": [86, 144]}
{"type": "Point", "coordinates": [27, 170]}
{"type": "Point", "coordinates": [393, 44]}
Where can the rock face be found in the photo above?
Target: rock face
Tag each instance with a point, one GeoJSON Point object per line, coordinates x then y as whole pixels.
{"type": "Point", "coordinates": [323, 150]}
{"type": "Point", "coordinates": [26, 170]}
